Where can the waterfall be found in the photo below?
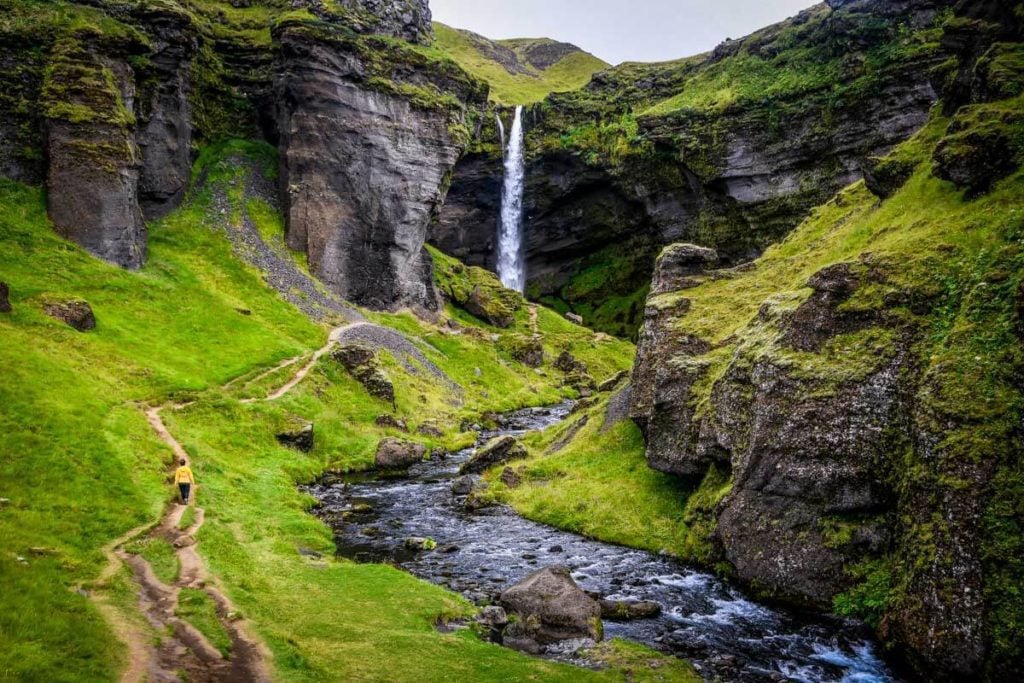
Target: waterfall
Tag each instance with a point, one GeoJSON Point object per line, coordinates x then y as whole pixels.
{"type": "Point", "coordinates": [501, 131]}
{"type": "Point", "coordinates": [511, 260]}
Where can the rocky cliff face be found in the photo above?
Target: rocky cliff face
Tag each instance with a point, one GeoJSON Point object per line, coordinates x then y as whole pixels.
{"type": "Point", "coordinates": [734, 176]}
{"type": "Point", "coordinates": [363, 167]}
{"type": "Point", "coordinates": [862, 390]}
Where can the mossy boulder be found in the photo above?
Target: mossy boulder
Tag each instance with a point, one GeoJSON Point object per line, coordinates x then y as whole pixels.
{"type": "Point", "coordinates": [395, 454]}
{"type": "Point", "coordinates": [526, 349]}
{"type": "Point", "coordinates": [477, 291]}
{"type": "Point", "coordinates": [983, 145]}
{"type": "Point", "coordinates": [361, 362]}
{"type": "Point", "coordinates": [885, 175]}
{"type": "Point", "coordinates": [297, 434]}
{"type": "Point", "coordinates": [75, 314]}
{"type": "Point", "coordinates": [495, 452]}
{"type": "Point", "coordinates": [550, 608]}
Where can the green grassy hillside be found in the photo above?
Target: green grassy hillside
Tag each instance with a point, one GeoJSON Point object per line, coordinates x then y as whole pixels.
{"type": "Point", "coordinates": [515, 74]}
{"type": "Point", "coordinates": [81, 465]}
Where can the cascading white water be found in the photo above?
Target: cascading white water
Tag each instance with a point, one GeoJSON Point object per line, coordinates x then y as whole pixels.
{"type": "Point", "coordinates": [511, 260]}
{"type": "Point", "coordinates": [501, 130]}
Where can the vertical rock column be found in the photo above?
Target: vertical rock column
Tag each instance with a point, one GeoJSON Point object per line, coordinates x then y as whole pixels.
{"type": "Point", "coordinates": [363, 171]}
{"type": "Point", "coordinates": [93, 174]}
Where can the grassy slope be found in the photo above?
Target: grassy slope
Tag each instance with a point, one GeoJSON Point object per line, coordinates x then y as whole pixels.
{"type": "Point", "coordinates": [84, 466]}
{"type": "Point", "coordinates": [569, 73]}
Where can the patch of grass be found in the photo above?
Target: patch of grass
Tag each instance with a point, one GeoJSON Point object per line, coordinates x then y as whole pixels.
{"type": "Point", "coordinates": [188, 518]}
{"type": "Point", "coordinates": [642, 664]}
{"type": "Point", "coordinates": [159, 553]}
{"type": "Point", "coordinates": [199, 609]}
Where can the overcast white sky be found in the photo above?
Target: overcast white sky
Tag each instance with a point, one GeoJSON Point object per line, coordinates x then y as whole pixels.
{"type": "Point", "coordinates": [619, 30]}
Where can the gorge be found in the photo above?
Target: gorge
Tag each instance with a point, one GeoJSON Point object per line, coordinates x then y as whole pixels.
{"type": "Point", "coordinates": [741, 335]}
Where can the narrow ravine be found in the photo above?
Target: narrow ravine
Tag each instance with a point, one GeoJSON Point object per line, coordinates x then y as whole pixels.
{"type": "Point", "coordinates": [703, 619]}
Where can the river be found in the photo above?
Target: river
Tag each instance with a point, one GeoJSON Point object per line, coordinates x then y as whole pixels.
{"type": "Point", "coordinates": [704, 619]}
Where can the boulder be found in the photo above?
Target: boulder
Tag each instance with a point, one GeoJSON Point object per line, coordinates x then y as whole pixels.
{"type": "Point", "coordinates": [550, 608]}
{"type": "Point", "coordinates": [77, 314]}
{"type": "Point", "coordinates": [566, 362]}
{"type": "Point", "coordinates": [388, 421]}
{"type": "Point", "coordinates": [976, 154]}
{"type": "Point", "coordinates": [512, 478]}
{"type": "Point", "coordinates": [528, 350]}
{"type": "Point", "coordinates": [299, 436]}
{"type": "Point", "coordinates": [5, 298]}
{"type": "Point", "coordinates": [493, 617]}
{"type": "Point", "coordinates": [884, 176]}
{"type": "Point", "coordinates": [468, 483]}
{"type": "Point", "coordinates": [429, 429]}
{"type": "Point", "coordinates": [395, 454]}
{"type": "Point", "coordinates": [495, 452]}
{"type": "Point", "coordinates": [678, 264]}
{"type": "Point", "coordinates": [574, 318]}
{"type": "Point", "coordinates": [486, 305]}
{"type": "Point", "coordinates": [629, 610]}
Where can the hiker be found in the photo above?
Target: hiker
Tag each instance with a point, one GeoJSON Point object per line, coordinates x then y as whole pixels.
{"type": "Point", "coordinates": [184, 479]}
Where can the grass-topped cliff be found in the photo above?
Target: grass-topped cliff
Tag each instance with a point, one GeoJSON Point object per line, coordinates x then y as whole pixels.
{"type": "Point", "coordinates": [519, 71]}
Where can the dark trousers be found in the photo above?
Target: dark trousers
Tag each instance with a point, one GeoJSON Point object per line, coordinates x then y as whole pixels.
{"type": "Point", "coordinates": [185, 489]}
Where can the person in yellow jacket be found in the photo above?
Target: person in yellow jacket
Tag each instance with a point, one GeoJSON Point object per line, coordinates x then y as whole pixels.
{"type": "Point", "coordinates": [184, 479]}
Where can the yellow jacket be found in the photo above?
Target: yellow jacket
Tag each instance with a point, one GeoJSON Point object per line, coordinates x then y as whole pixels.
{"type": "Point", "coordinates": [183, 475]}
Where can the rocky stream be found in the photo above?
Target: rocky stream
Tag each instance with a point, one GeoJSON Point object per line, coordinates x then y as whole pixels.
{"type": "Point", "coordinates": [482, 553]}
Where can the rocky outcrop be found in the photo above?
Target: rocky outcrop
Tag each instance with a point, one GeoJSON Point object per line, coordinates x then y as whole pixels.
{"type": "Point", "coordinates": [364, 160]}
{"type": "Point", "coordinates": [361, 363]}
{"type": "Point", "coordinates": [94, 163]}
{"type": "Point", "coordinates": [406, 19]}
{"type": "Point", "coordinates": [75, 314]}
{"type": "Point", "coordinates": [678, 264]}
{"type": "Point", "coordinates": [499, 450]}
{"type": "Point", "coordinates": [550, 608]}
{"type": "Point", "coordinates": [395, 454]}
{"type": "Point", "coordinates": [298, 435]}
{"type": "Point", "coordinates": [165, 113]}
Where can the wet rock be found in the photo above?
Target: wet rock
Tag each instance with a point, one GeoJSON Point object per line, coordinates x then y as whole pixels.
{"type": "Point", "coordinates": [298, 435]}
{"type": "Point", "coordinates": [550, 608]}
{"type": "Point", "coordinates": [479, 499]}
{"type": "Point", "coordinates": [419, 543]}
{"type": "Point", "coordinates": [77, 314]}
{"type": "Point", "coordinates": [679, 264]}
{"type": "Point", "coordinates": [388, 421]}
{"type": "Point", "coordinates": [467, 483]}
{"type": "Point", "coordinates": [556, 549]}
{"type": "Point", "coordinates": [495, 452]}
{"type": "Point", "coordinates": [395, 454]}
{"type": "Point", "coordinates": [493, 617]}
{"type": "Point", "coordinates": [512, 478]}
{"type": "Point", "coordinates": [361, 362]}
{"type": "Point", "coordinates": [629, 610]}
{"type": "Point", "coordinates": [5, 298]}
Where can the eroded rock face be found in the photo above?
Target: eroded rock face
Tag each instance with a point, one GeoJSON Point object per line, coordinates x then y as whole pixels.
{"type": "Point", "coordinates": [407, 19]}
{"type": "Point", "coordinates": [678, 264]}
{"type": "Point", "coordinates": [362, 172]}
{"type": "Point", "coordinates": [550, 608]}
{"type": "Point", "coordinates": [94, 163]}
{"type": "Point", "coordinates": [165, 129]}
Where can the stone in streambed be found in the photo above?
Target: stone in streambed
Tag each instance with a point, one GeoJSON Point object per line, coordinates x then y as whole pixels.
{"type": "Point", "coordinates": [550, 608]}
{"type": "Point", "coordinates": [468, 483]}
{"type": "Point", "coordinates": [499, 450]}
{"type": "Point", "coordinates": [395, 454]}
{"type": "Point", "coordinates": [629, 610]}
{"type": "Point", "coordinates": [76, 314]}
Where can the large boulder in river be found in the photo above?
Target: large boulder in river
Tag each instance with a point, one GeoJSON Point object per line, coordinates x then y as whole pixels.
{"type": "Point", "coordinates": [550, 608]}
{"type": "Point", "coordinates": [495, 452]}
{"type": "Point", "coordinates": [77, 314]}
{"type": "Point", "coordinates": [395, 454]}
